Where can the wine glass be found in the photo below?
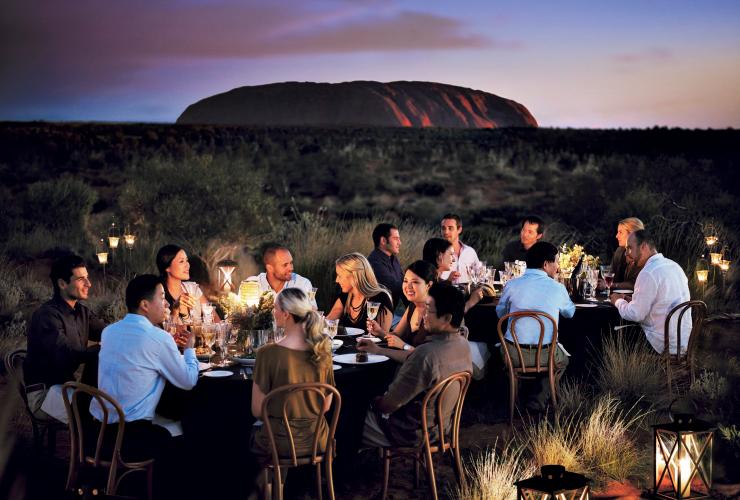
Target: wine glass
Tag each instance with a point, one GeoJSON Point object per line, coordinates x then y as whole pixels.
{"type": "Point", "coordinates": [608, 274]}
{"type": "Point", "coordinates": [372, 309]}
{"type": "Point", "coordinates": [312, 297]}
{"type": "Point", "coordinates": [207, 310]}
{"type": "Point", "coordinates": [209, 336]}
{"type": "Point", "coordinates": [331, 326]}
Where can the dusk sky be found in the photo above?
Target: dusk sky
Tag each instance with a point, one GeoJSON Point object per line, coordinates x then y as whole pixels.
{"type": "Point", "coordinates": [595, 63]}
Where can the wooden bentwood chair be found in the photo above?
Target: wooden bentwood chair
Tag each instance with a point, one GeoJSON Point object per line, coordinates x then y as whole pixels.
{"type": "Point", "coordinates": [447, 431]}
{"type": "Point", "coordinates": [80, 460]}
{"type": "Point", "coordinates": [681, 362]}
{"type": "Point", "coordinates": [14, 368]}
{"type": "Point", "coordinates": [529, 372]}
{"type": "Point", "coordinates": [316, 458]}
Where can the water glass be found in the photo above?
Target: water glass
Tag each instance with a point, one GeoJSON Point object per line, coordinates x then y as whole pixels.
{"type": "Point", "coordinates": [207, 310]}
{"type": "Point", "coordinates": [331, 327]}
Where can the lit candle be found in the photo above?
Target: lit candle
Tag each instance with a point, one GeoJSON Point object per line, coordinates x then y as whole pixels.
{"type": "Point", "coordinates": [129, 239]}
{"type": "Point", "coordinates": [249, 293]}
{"type": "Point", "coordinates": [711, 240]}
{"type": "Point", "coordinates": [724, 265]}
{"type": "Point", "coordinates": [716, 258]}
{"type": "Point", "coordinates": [102, 257]}
{"type": "Point", "coordinates": [113, 241]}
{"type": "Point", "coordinates": [702, 276]}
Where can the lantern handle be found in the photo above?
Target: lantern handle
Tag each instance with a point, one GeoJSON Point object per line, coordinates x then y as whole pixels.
{"type": "Point", "coordinates": [676, 416]}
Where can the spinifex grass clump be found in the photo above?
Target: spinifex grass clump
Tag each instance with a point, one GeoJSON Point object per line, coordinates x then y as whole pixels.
{"type": "Point", "coordinates": [492, 475]}
{"type": "Point", "coordinates": [631, 371]}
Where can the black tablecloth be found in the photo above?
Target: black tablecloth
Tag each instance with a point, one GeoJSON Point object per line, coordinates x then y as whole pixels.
{"type": "Point", "coordinates": [582, 335]}
{"type": "Point", "coordinates": [217, 420]}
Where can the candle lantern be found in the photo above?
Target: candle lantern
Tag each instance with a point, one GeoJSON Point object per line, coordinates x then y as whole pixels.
{"type": "Point", "coordinates": [683, 458]}
{"type": "Point", "coordinates": [702, 275]}
{"type": "Point", "coordinates": [129, 237]}
{"type": "Point", "coordinates": [114, 236]}
{"type": "Point", "coordinates": [226, 268]}
{"type": "Point", "coordinates": [711, 240]}
{"type": "Point", "coordinates": [553, 483]}
{"type": "Point", "coordinates": [101, 252]}
{"type": "Point", "coordinates": [715, 257]}
{"type": "Point", "coordinates": [724, 265]}
{"type": "Point", "coordinates": [249, 292]}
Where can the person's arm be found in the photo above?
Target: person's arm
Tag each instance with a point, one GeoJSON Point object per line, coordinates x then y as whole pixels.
{"type": "Point", "coordinates": [385, 316]}
{"type": "Point", "coordinates": [52, 334]}
{"type": "Point", "coordinates": [336, 311]}
{"type": "Point", "coordinates": [567, 307]}
{"type": "Point", "coordinates": [180, 369]}
{"type": "Point", "coordinates": [398, 355]}
{"type": "Point", "coordinates": [257, 398]}
{"type": "Point", "coordinates": [503, 304]}
{"type": "Point", "coordinates": [646, 290]}
{"type": "Point", "coordinates": [475, 297]}
{"type": "Point", "coordinates": [411, 380]}
{"type": "Point", "coordinates": [95, 327]}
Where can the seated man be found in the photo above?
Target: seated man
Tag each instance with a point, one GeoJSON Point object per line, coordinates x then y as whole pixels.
{"type": "Point", "coordinates": [279, 271]}
{"type": "Point", "coordinates": [660, 286]}
{"type": "Point", "coordinates": [532, 230]}
{"type": "Point", "coordinates": [136, 358]}
{"type": "Point", "coordinates": [465, 256]}
{"type": "Point", "coordinates": [58, 338]}
{"type": "Point", "coordinates": [536, 290]}
{"type": "Point", "coordinates": [395, 417]}
{"type": "Point", "coordinates": [384, 260]}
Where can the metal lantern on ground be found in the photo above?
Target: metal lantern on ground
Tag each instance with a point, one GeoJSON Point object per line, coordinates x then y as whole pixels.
{"type": "Point", "coordinates": [553, 483]}
{"type": "Point", "coordinates": [226, 268]}
{"type": "Point", "coordinates": [129, 238]}
{"type": "Point", "coordinates": [683, 458]}
{"type": "Point", "coordinates": [114, 236]}
{"type": "Point", "coordinates": [249, 292]}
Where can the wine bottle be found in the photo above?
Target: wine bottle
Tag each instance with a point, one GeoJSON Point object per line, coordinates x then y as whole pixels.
{"type": "Point", "coordinates": [574, 278]}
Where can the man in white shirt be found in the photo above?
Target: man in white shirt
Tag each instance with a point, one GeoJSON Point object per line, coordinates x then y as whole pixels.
{"type": "Point", "coordinates": [465, 256]}
{"type": "Point", "coordinates": [279, 271]}
{"type": "Point", "coordinates": [660, 286]}
{"type": "Point", "coordinates": [136, 359]}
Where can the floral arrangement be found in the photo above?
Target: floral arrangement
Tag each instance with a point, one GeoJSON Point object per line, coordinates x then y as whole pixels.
{"type": "Point", "coordinates": [258, 317]}
{"type": "Point", "coordinates": [569, 258]}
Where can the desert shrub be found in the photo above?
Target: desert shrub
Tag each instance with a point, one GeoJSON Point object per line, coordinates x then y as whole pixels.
{"type": "Point", "coordinates": [198, 199]}
{"type": "Point", "coordinates": [492, 475]}
{"type": "Point", "coordinates": [13, 334]}
{"type": "Point", "coordinates": [573, 397]}
{"type": "Point", "coordinates": [11, 295]}
{"type": "Point", "coordinates": [60, 205]}
{"type": "Point", "coordinates": [555, 443]}
{"type": "Point", "coordinates": [631, 371]}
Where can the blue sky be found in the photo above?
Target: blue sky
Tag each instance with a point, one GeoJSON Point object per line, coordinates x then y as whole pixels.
{"type": "Point", "coordinates": [601, 64]}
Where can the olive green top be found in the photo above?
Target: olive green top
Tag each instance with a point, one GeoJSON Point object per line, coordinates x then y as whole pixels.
{"type": "Point", "coordinates": [275, 367]}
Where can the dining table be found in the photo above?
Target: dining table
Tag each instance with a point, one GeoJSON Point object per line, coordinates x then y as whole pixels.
{"type": "Point", "coordinates": [217, 419]}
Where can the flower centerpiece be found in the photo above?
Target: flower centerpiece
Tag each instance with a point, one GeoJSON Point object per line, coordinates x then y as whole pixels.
{"type": "Point", "coordinates": [569, 258]}
{"type": "Point", "coordinates": [258, 317]}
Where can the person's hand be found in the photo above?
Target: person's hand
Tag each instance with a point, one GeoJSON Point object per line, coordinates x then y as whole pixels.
{"type": "Point", "coordinates": [601, 284]}
{"type": "Point", "coordinates": [187, 300]}
{"type": "Point", "coordinates": [454, 276]}
{"type": "Point", "coordinates": [367, 345]}
{"type": "Point", "coordinates": [475, 297]}
{"type": "Point", "coordinates": [613, 298]}
{"type": "Point", "coordinates": [394, 341]}
{"type": "Point", "coordinates": [374, 328]}
{"type": "Point", "coordinates": [189, 340]}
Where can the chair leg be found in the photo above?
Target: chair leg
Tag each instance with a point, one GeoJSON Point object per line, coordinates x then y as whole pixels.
{"type": "Point", "coordinates": [386, 473]}
{"type": "Point", "coordinates": [553, 395]}
{"type": "Point", "coordinates": [429, 463]}
{"type": "Point", "coordinates": [512, 401]}
{"type": "Point", "coordinates": [457, 466]}
{"type": "Point", "coordinates": [329, 478]}
{"type": "Point", "coordinates": [277, 480]}
{"type": "Point", "coordinates": [319, 493]}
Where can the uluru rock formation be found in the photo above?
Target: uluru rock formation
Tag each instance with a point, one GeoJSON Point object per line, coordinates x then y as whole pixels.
{"type": "Point", "coordinates": [361, 103]}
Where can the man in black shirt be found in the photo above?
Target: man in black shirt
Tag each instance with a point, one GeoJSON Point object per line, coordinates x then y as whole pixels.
{"type": "Point", "coordinates": [384, 259]}
{"type": "Point", "coordinates": [58, 337]}
{"type": "Point", "coordinates": [532, 230]}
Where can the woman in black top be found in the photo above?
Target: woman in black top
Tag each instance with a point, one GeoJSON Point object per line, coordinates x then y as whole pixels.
{"type": "Point", "coordinates": [359, 286]}
{"type": "Point", "coordinates": [624, 269]}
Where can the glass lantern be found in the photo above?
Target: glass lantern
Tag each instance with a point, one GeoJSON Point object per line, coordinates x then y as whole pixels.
{"type": "Point", "coordinates": [683, 458]}
{"type": "Point", "coordinates": [114, 236]}
{"type": "Point", "coordinates": [129, 238]}
{"type": "Point", "coordinates": [716, 258]}
{"type": "Point", "coordinates": [226, 268]}
{"type": "Point", "coordinates": [553, 483]}
{"type": "Point", "coordinates": [101, 252]}
{"type": "Point", "coordinates": [249, 292]}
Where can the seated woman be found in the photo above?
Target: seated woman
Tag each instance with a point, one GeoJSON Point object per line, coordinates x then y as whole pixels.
{"type": "Point", "coordinates": [359, 286]}
{"type": "Point", "coordinates": [174, 268]}
{"type": "Point", "coordinates": [409, 331]}
{"type": "Point", "coordinates": [624, 269]}
{"type": "Point", "coordinates": [303, 355]}
{"type": "Point", "coordinates": [440, 253]}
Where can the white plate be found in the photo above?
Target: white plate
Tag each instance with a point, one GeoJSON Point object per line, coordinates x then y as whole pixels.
{"type": "Point", "coordinates": [371, 339]}
{"type": "Point", "coordinates": [350, 359]}
{"type": "Point", "coordinates": [336, 367]}
{"type": "Point", "coordinates": [246, 361]}
{"type": "Point", "coordinates": [587, 305]}
{"type": "Point", "coordinates": [336, 344]}
{"type": "Point", "coordinates": [623, 290]}
{"type": "Point", "coordinates": [354, 331]}
{"type": "Point", "coordinates": [218, 374]}
{"type": "Point", "coordinates": [203, 366]}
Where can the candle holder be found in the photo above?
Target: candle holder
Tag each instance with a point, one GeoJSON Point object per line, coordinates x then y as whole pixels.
{"type": "Point", "coordinates": [101, 252]}
{"type": "Point", "coordinates": [226, 269]}
{"type": "Point", "coordinates": [249, 292]}
{"type": "Point", "coordinates": [129, 238]}
{"type": "Point", "coordinates": [553, 483]}
{"type": "Point", "coordinates": [715, 257]}
{"type": "Point", "coordinates": [114, 236]}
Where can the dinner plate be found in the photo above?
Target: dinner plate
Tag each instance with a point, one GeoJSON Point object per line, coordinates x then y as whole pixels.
{"type": "Point", "coordinates": [336, 344]}
{"type": "Point", "coordinates": [625, 290]}
{"type": "Point", "coordinates": [218, 374]}
{"type": "Point", "coordinates": [352, 332]}
{"type": "Point", "coordinates": [203, 366]}
{"type": "Point", "coordinates": [336, 367]}
{"type": "Point", "coordinates": [587, 305]}
{"type": "Point", "coordinates": [351, 359]}
{"type": "Point", "coordinates": [370, 338]}
{"type": "Point", "coordinates": [246, 361]}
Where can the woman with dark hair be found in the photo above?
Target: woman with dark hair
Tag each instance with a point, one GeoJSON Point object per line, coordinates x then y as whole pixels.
{"type": "Point", "coordinates": [174, 269]}
{"type": "Point", "coordinates": [441, 254]}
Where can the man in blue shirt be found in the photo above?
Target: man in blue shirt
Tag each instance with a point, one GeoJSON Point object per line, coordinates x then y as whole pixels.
{"type": "Point", "coordinates": [536, 290]}
{"type": "Point", "coordinates": [136, 358]}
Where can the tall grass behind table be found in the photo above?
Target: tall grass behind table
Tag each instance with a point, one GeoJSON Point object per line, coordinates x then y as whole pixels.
{"type": "Point", "coordinates": [217, 422]}
{"type": "Point", "coordinates": [582, 335]}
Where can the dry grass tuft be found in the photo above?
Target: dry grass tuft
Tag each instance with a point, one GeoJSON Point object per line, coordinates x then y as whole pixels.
{"type": "Point", "coordinates": [492, 475]}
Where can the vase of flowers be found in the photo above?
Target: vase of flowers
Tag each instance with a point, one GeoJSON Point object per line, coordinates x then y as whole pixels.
{"type": "Point", "coordinates": [254, 322]}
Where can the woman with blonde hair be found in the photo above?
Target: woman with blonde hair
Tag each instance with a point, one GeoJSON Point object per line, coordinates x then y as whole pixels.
{"type": "Point", "coordinates": [624, 269]}
{"type": "Point", "coordinates": [359, 286]}
{"type": "Point", "coordinates": [302, 355]}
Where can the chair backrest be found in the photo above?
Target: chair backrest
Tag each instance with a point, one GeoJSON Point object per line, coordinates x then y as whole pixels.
{"type": "Point", "coordinates": [537, 315]}
{"type": "Point", "coordinates": [437, 396]}
{"type": "Point", "coordinates": [14, 368]}
{"type": "Point", "coordinates": [698, 314]}
{"type": "Point", "coordinates": [71, 392]}
{"type": "Point", "coordinates": [323, 391]}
